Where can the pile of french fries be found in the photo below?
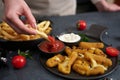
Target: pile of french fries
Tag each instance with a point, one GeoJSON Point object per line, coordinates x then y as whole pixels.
{"type": "Point", "coordinates": [7, 33]}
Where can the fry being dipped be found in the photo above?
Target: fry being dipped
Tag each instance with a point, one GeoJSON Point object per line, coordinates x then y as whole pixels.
{"type": "Point", "coordinates": [42, 34]}
{"type": "Point", "coordinates": [42, 27]}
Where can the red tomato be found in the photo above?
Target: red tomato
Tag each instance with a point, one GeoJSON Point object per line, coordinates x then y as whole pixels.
{"type": "Point", "coordinates": [18, 61]}
{"type": "Point", "coordinates": [81, 25]}
{"type": "Point", "coordinates": [112, 51]}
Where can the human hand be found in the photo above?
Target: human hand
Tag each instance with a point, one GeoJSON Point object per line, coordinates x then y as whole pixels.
{"type": "Point", "coordinates": [13, 10]}
{"type": "Point", "coordinates": [104, 6]}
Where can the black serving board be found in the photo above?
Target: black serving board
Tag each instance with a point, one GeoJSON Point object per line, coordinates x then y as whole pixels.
{"type": "Point", "coordinates": [73, 75]}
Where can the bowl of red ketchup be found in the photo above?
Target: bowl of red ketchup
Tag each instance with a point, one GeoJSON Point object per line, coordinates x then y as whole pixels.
{"type": "Point", "coordinates": [51, 47]}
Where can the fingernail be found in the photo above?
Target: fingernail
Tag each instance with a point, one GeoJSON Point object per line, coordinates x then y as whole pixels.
{"type": "Point", "coordinates": [34, 25]}
{"type": "Point", "coordinates": [34, 32]}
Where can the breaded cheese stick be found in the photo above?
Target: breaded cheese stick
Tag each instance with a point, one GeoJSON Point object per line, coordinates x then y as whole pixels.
{"type": "Point", "coordinates": [53, 61]}
{"type": "Point", "coordinates": [65, 66]}
{"type": "Point", "coordinates": [99, 59]}
{"type": "Point", "coordinates": [91, 45]}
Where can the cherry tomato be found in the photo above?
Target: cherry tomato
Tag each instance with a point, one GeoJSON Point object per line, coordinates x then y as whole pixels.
{"type": "Point", "coordinates": [112, 51]}
{"type": "Point", "coordinates": [81, 25]}
{"type": "Point", "coordinates": [18, 61]}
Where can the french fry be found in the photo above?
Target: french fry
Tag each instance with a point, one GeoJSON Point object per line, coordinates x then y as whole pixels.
{"type": "Point", "coordinates": [24, 37]}
{"type": "Point", "coordinates": [47, 24]}
{"type": "Point", "coordinates": [6, 32]}
{"type": "Point", "coordinates": [7, 35]}
{"type": "Point", "coordinates": [43, 25]}
{"type": "Point", "coordinates": [42, 34]}
{"type": "Point", "coordinates": [47, 31]}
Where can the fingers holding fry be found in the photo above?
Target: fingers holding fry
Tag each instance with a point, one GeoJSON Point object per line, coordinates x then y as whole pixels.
{"type": "Point", "coordinates": [6, 32]}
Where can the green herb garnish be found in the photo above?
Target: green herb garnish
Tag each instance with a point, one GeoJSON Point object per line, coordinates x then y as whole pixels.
{"type": "Point", "coordinates": [84, 37]}
{"type": "Point", "coordinates": [25, 54]}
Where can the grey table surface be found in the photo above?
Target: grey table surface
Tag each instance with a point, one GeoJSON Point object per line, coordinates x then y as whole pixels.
{"type": "Point", "coordinates": [35, 71]}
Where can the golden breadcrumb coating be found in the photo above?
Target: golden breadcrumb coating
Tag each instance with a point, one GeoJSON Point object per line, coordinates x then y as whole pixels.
{"type": "Point", "coordinates": [65, 66]}
{"type": "Point", "coordinates": [91, 44]}
{"type": "Point", "coordinates": [53, 61]}
{"type": "Point", "coordinates": [99, 59]}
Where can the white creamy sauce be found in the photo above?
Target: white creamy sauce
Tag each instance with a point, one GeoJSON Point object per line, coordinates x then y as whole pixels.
{"type": "Point", "coordinates": [70, 37]}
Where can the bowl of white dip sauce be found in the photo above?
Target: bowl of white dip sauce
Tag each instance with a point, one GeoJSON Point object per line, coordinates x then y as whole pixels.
{"type": "Point", "coordinates": [69, 39]}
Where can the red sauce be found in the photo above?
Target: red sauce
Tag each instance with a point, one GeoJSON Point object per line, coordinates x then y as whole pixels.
{"type": "Point", "coordinates": [47, 46]}
{"type": "Point", "coordinates": [51, 39]}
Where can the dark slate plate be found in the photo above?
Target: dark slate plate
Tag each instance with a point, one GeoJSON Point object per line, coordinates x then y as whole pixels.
{"type": "Point", "coordinates": [73, 75]}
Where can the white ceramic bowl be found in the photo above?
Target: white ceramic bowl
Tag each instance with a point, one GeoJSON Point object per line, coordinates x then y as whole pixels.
{"type": "Point", "coordinates": [69, 39]}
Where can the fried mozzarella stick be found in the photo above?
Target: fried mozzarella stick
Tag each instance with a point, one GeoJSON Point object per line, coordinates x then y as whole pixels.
{"type": "Point", "coordinates": [81, 66]}
{"type": "Point", "coordinates": [91, 45]}
{"type": "Point", "coordinates": [85, 67]}
{"type": "Point", "coordinates": [95, 68]}
{"type": "Point", "coordinates": [99, 59]}
{"type": "Point", "coordinates": [53, 61]}
{"type": "Point", "coordinates": [65, 66]}
{"type": "Point", "coordinates": [68, 50]}
{"type": "Point", "coordinates": [95, 71]}
{"type": "Point", "coordinates": [99, 52]}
